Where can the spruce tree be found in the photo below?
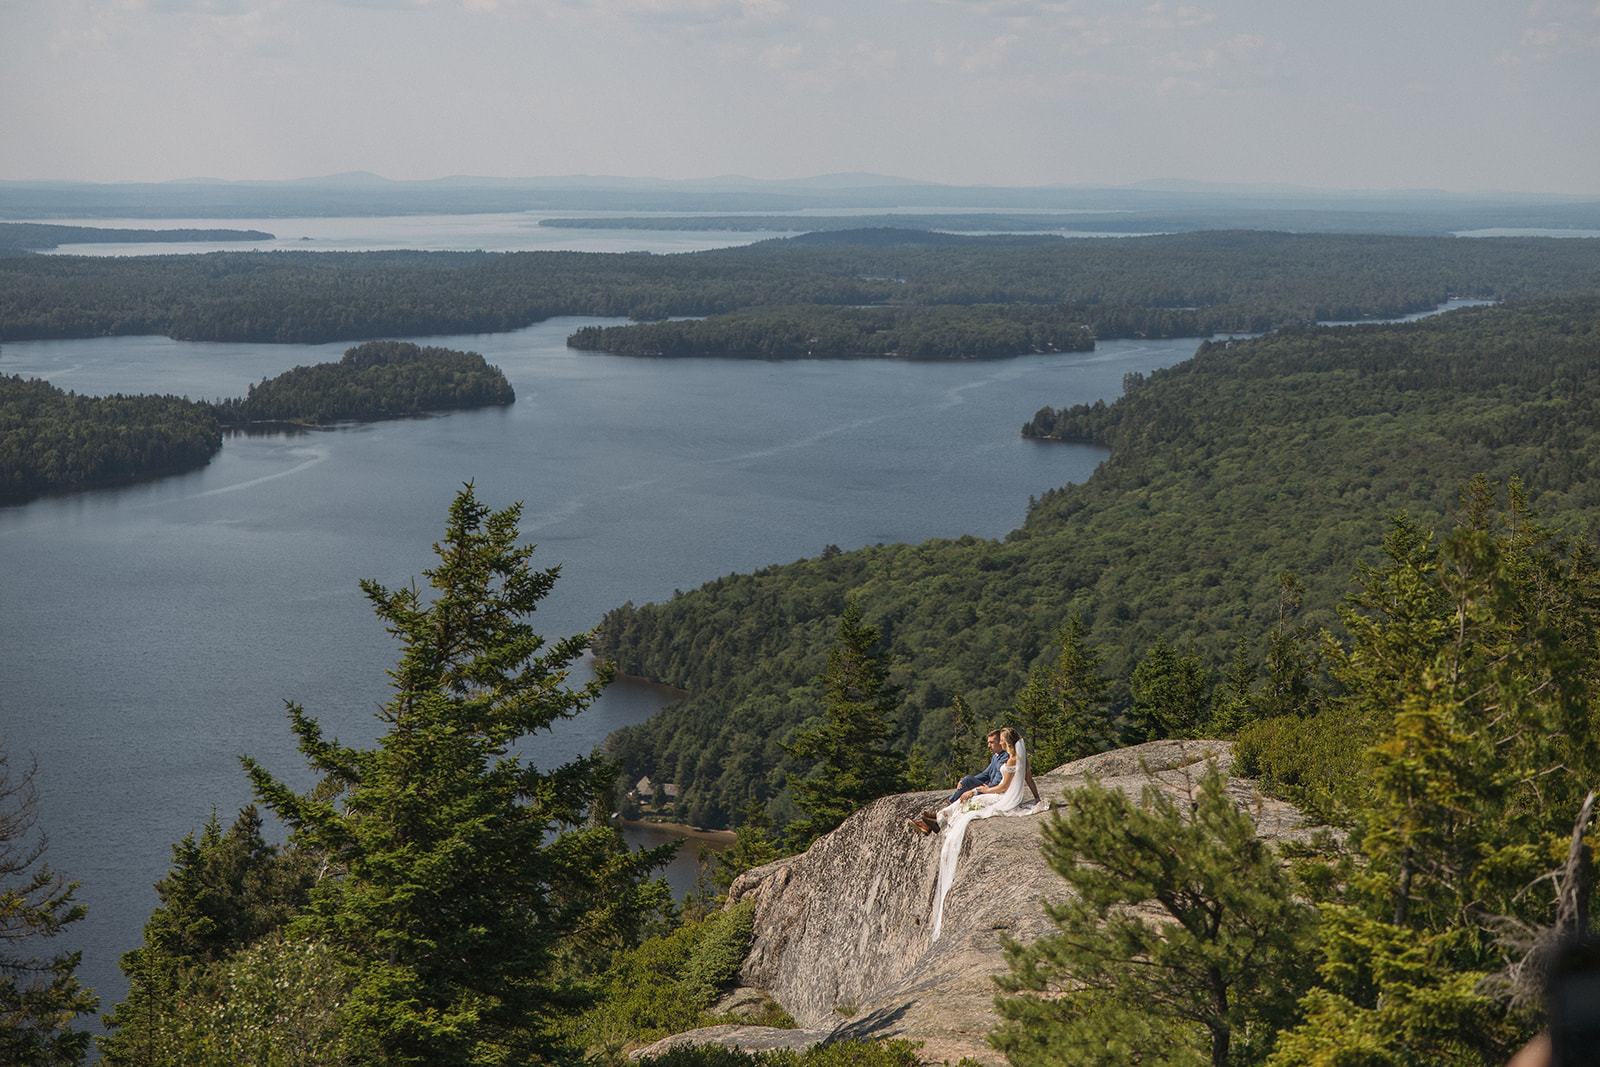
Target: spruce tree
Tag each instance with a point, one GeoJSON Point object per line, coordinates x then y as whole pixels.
{"type": "Point", "coordinates": [225, 891]}
{"type": "Point", "coordinates": [460, 875]}
{"type": "Point", "coordinates": [1061, 711]}
{"type": "Point", "coordinates": [854, 764]}
{"type": "Point", "coordinates": [1171, 694]}
{"type": "Point", "coordinates": [1470, 669]}
{"type": "Point", "coordinates": [40, 997]}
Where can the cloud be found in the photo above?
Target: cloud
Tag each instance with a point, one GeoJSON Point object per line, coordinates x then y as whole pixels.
{"type": "Point", "coordinates": [1160, 17]}
{"type": "Point", "coordinates": [1557, 28]}
{"type": "Point", "coordinates": [665, 11]}
{"type": "Point", "coordinates": [990, 56]}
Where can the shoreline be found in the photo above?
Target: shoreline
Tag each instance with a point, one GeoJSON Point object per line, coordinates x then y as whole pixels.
{"type": "Point", "coordinates": [678, 829]}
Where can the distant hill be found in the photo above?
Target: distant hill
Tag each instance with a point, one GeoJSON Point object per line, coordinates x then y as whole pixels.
{"type": "Point", "coordinates": [1185, 205]}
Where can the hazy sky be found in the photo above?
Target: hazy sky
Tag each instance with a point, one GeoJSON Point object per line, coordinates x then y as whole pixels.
{"type": "Point", "coordinates": [1452, 94]}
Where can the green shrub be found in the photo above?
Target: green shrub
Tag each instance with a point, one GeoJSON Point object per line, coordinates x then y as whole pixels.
{"type": "Point", "coordinates": [668, 984]}
{"type": "Point", "coordinates": [1310, 762]}
{"type": "Point", "coordinates": [895, 1053]}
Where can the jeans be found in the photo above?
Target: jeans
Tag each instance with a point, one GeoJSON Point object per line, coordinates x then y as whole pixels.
{"type": "Point", "coordinates": [971, 781]}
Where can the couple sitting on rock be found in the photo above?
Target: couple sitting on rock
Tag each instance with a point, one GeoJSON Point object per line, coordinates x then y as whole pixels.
{"type": "Point", "coordinates": [997, 791]}
{"type": "Point", "coordinates": [998, 786]}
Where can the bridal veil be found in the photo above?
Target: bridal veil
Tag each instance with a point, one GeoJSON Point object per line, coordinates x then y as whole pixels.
{"type": "Point", "coordinates": [979, 807]}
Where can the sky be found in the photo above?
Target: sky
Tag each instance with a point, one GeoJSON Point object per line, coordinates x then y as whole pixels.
{"type": "Point", "coordinates": [1461, 95]}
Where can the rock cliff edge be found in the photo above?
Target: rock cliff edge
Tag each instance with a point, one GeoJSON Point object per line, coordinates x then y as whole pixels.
{"type": "Point", "coordinates": [842, 938]}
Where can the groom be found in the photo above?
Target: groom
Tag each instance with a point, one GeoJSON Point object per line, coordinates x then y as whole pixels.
{"type": "Point", "coordinates": [990, 775]}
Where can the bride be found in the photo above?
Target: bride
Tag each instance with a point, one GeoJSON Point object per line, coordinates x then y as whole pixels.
{"type": "Point", "coordinates": [980, 803]}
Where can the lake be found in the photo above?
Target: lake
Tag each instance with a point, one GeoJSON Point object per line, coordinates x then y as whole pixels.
{"type": "Point", "coordinates": [151, 633]}
{"type": "Point", "coordinates": [518, 231]}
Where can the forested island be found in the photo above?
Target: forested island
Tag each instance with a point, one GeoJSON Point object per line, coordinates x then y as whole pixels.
{"type": "Point", "coordinates": [42, 236]}
{"type": "Point", "coordinates": [1230, 281]}
{"type": "Point", "coordinates": [377, 380]}
{"type": "Point", "coordinates": [50, 439]}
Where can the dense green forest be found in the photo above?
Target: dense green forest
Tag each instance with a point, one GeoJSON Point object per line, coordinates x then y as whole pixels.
{"type": "Point", "coordinates": [41, 236]}
{"type": "Point", "coordinates": [50, 439]}
{"type": "Point", "coordinates": [1279, 455]}
{"type": "Point", "coordinates": [973, 331]}
{"type": "Point", "coordinates": [1233, 281]}
{"type": "Point", "coordinates": [55, 440]}
{"type": "Point", "coordinates": [377, 380]}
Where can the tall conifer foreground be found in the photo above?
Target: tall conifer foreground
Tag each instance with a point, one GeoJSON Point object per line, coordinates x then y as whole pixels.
{"type": "Point", "coordinates": [1469, 685]}
{"type": "Point", "coordinates": [855, 766]}
{"type": "Point", "coordinates": [464, 888]}
{"type": "Point", "coordinates": [40, 998]}
{"type": "Point", "coordinates": [1184, 942]}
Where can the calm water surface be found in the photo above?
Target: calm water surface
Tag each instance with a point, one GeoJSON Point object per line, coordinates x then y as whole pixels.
{"type": "Point", "coordinates": [150, 634]}
{"type": "Point", "coordinates": [504, 232]}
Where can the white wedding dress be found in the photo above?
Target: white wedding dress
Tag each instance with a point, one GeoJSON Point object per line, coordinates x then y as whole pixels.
{"type": "Point", "coordinates": [955, 818]}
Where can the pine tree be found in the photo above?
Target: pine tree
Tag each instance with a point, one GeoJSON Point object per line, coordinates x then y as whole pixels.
{"type": "Point", "coordinates": [1171, 694]}
{"type": "Point", "coordinates": [1207, 981]}
{"type": "Point", "coordinates": [459, 872]}
{"type": "Point", "coordinates": [1062, 708]}
{"type": "Point", "coordinates": [1471, 665]}
{"type": "Point", "coordinates": [855, 766]}
{"type": "Point", "coordinates": [39, 995]}
{"type": "Point", "coordinates": [753, 846]}
{"type": "Point", "coordinates": [224, 892]}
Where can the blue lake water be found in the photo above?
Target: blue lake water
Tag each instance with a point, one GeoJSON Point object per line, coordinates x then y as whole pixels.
{"type": "Point", "coordinates": [504, 232]}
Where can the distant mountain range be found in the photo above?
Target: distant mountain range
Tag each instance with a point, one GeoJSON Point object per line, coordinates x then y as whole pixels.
{"type": "Point", "coordinates": [1177, 204]}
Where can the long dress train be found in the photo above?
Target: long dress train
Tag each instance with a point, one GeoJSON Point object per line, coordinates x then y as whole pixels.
{"type": "Point", "coordinates": [956, 817]}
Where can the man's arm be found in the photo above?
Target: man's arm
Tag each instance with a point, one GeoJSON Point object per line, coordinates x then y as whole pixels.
{"type": "Point", "coordinates": [995, 771]}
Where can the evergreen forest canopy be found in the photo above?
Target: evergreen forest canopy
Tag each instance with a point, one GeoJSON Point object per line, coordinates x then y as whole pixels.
{"type": "Point", "coordinates": [1235, 281]}
{"type": "Point", "coordinates": [377, 380]}
{"type": "Point", "coordinates": [972, 331]}
{"type": "Point", "coordinates": [1244, 489]}
{"type": "Point", "coordinates": [50, 439]}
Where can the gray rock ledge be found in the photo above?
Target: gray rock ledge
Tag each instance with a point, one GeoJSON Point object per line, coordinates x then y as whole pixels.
{"type": "Point", "coordinates": [841, 935]}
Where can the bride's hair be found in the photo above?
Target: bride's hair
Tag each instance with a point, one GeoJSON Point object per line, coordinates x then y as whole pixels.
{"type": "Point", "coordinates": [1009, 737]}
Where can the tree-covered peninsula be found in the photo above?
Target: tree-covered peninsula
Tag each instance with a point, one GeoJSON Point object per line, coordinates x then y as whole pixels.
{"type": "Point", "coordinates": [1209, 282]}
{"type": "Point", "coordinates": [50, 439]}
{"type": "Point", "coordinates": [1244, 489]}
{"type": "Point", "coordinates": [973, 331]}
{"type": "Point", "coordinates": [18, 237]}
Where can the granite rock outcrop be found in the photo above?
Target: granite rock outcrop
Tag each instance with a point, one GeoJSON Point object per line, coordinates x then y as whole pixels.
{"type": "Point", "coordinates": [842, 939]}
